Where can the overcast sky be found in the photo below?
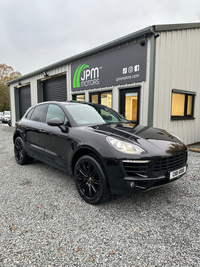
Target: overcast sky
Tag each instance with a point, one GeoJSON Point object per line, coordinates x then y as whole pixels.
{"type": "Point", "coordinates": [37, 33]}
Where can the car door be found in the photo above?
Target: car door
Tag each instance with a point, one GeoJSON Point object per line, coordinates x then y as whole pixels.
{"type": "Point", "coordinates": [53, 141]}
{"type": "Point", "coordinates": [31, 126]}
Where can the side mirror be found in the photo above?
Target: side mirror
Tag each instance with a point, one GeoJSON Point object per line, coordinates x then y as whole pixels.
{"type": "Point", "coordinates": [55, 122]}
{"type": "Point", "coordinates": [59, 123]}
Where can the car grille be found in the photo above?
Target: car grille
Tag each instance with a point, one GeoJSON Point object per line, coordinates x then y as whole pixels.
{"type": "Point", "coordinates": [155, 167]}
{"type": "Point", "coordinates": [164, 165]}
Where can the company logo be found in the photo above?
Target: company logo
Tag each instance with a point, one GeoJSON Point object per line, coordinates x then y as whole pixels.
{"type": "Point", "coordinates": [84, 76]}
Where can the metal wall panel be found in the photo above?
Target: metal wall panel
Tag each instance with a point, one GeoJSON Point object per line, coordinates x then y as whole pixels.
{"type": "Point", "coordinates": [177, 67]}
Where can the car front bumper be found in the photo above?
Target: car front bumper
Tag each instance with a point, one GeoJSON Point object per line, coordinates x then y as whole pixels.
{"type": "Point", "coordinates": [126, 176]}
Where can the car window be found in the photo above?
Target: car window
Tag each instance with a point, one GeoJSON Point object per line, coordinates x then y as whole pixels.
{"type": "Point", "coordinates": [28, 116]}
{"type": "Point", "coordinates": [84, 114]}
{"type": "Point", "coordinates": [38, 113]}
{"type": "Point", "coordinates": [109, 115]}
{"type": "Point", "coordinates": [55, 111]}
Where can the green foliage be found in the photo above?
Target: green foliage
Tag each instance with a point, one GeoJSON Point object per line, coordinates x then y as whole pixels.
{"type": "Point", "coordinates": [6, 74]}
{"type": "Point", "coordinates": [4, 97]}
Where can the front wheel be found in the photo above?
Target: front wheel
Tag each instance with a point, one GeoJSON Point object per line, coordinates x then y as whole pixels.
{"type": "Point", "coordinates": [20, 152]}
{"type": "Point", "coordinates": [91, 181]}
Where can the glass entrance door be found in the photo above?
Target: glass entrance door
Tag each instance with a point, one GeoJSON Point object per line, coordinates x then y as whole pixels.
{"type": "Point", "coordinates": [129, 104]}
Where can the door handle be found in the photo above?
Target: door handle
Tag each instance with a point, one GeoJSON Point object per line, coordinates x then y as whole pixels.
{"type": "Point", "coordinates": [42, 131]}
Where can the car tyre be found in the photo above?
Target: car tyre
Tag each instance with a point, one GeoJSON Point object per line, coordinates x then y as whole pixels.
{"type": "Point", "coordinates": [20, 152]}
{"type": "Point", "coordinates": [91, 181]}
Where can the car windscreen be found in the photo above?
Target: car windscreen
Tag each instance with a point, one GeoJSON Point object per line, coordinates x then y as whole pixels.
{"type": "Point", "coordinates": [84, 114]}
{"type": "Point", "coordinates": [109, 115]}
{"type": "Point", "coordinates": [7, 113]}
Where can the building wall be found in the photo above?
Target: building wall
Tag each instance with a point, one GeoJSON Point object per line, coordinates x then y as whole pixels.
{"type": "Point", "coordinates": [34, 82]}
{"type": "Point", "coordinates": [177, 67]}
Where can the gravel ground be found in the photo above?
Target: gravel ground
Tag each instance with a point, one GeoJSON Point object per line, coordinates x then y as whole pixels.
{"type": "Point", "coordinates": [44, 222]}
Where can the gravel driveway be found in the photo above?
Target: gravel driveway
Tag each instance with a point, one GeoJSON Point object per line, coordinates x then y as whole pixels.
{"type": "Point", "coordinates": [44, 222]}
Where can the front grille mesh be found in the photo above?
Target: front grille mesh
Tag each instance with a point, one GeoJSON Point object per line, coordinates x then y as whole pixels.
{"type": "Point", "coordinates": [164, 165]}
{"type": "Point", "coordinates": [156, 167]}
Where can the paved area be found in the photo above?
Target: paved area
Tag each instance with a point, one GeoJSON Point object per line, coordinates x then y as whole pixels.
{"type": "Point", "coordinates": [44, 222]}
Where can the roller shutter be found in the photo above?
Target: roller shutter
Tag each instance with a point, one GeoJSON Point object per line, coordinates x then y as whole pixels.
{"type": "Point", "coordinates": [24, 99]}
{"type": "Point", "coordinates": [55, 89]}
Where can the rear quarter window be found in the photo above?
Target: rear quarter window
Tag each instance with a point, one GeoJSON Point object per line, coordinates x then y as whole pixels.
{"type": "Point", "coordinates": [38, 113]}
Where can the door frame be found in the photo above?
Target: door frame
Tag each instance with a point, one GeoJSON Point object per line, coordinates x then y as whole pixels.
{"type": "Point", "coordinates": [122, 101]}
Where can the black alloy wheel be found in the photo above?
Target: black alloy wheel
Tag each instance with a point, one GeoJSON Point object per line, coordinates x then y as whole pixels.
{"type": "Point", "coordinates": [20, 152]}
{"type": "Point", "coordinates": [91, 181]}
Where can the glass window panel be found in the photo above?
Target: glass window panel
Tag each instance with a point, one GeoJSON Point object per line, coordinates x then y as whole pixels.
{"type": "Point", "coordinates": [84, 114]}
{"type": "Point", "coordinates": [131, 104]}
{"type": "Point", "coordinates": [55, 111]}
{"type": "Point", "coordinates": [80, 97]}
{"type": "Point", "coordinates": [38, 113]}
{"type": "Point", "coordinates": [94, 99]}
{"type": "Point", "coordinates": [189, 105]}
{"type": "Point", "coordinates": [178, 104]}
{"type": "Point", "coordinates": [106, 99]}
{"type": "Point", "coordinates": [28, 116]}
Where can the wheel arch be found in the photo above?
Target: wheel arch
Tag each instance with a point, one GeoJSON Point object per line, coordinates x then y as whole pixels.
{"type": "Point", "coordinates": [17, 134]}
{"type": "Point", "coordinates": [82, 152]}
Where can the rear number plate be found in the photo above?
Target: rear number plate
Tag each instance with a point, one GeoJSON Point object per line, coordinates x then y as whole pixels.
{"type": "Point", "coordinates": [177, 173]}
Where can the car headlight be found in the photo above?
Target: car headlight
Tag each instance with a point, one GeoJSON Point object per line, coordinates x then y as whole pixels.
{"type": "Point", "coordinates": [125, 147]}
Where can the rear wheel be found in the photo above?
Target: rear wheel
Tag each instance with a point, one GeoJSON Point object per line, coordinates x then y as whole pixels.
{"type": "Point", "coordinates": [20, 152]}
{"type": "Point", "coordinates": [91, 181]}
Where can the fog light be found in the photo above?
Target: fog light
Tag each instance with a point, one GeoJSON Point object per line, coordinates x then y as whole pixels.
{"type": "Point", "coordinates": [132, 184]}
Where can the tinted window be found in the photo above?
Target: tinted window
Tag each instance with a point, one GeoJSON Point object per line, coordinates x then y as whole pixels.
{"type": "Point", "coordinates": [38, 113]}
{"type": "Point", "coordinates": [28, 116]}
{"type": "Point", "coordinates": [55, 111]}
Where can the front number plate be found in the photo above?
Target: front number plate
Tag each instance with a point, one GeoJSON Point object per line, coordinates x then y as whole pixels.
{"type": "Point", "coordinates": [177, 173]}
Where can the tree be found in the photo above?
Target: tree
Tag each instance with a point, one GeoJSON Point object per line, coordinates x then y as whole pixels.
{"type": "Point", "coordinates": [7, 71]}
{"type": "Point", "coordinates": [6, 74]}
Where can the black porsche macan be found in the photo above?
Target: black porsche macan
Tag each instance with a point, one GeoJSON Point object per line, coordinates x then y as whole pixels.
{"type": "Point", "coordinates": [105, 153]}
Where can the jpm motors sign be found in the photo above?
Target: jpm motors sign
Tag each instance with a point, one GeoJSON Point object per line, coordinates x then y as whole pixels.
{"type": "Point", "coordinates": [119, 66]}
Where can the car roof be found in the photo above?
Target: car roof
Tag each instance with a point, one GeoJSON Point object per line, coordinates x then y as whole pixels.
{"type": "Point", "coordinates": [70, 102]}
{"type": "Point", "coordinates": [87, 103]}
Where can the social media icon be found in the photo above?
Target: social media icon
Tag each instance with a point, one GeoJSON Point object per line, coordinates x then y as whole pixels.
{"type": "Point", "coordinates": [136, 68]}
{"type": "Point", "coordinates": [130, 69]}
{"type": "Point", "coordinates": [124, 71]}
